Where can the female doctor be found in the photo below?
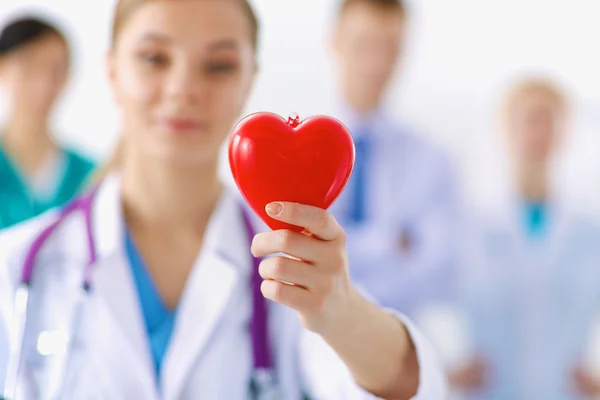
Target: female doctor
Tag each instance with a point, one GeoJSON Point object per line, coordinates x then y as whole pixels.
{"type": "Point", "coordinates": [36, 173]}
{"type": "Point", "coordinates": [173, 304]}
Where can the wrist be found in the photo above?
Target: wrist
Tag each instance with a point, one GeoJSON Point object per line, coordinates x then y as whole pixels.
{"type": "Point", "coordinates": [351, 317]}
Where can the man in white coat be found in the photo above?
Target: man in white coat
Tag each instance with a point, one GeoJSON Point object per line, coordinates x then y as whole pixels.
{"type": "Point", "coordinates": [532, 271]}
{"type": "Point", "coordinates": [399, 208]}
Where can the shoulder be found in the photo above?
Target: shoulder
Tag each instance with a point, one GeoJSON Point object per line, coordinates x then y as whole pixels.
{"type": "Point", "coordinates": [416, 142]}
{"type": "Point", "coordinates": [492, 216]}
{"type": "Point", "coordinates": [15, 242]}
{"type": "Point", "coordinates": [24, 231]}
{"type": "Point", "coordinates": [585, 224]}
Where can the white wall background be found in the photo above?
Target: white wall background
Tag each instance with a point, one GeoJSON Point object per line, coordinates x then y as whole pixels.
{"type": "Point", "coordinates": [461, 53]}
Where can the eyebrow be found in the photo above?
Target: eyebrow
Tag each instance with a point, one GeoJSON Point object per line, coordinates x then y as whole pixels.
{"type": "Point", "coordinates": [222, 44]}
{"type": "Point", "coordinates": [155, 37]}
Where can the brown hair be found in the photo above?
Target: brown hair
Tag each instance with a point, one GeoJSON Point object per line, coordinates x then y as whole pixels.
{"type": "Point", "coordinates": [125, 8]}
{"type": "Point", "coordinates": [123, 11]}
{"type": "Point", "coordinates": [395, 5]}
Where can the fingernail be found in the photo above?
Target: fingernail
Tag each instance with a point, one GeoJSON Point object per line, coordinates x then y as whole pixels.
{"type": "Point", "coordinates": [274, 209]}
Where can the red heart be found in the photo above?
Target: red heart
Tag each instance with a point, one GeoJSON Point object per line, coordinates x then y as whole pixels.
{"type": "Point", "coordinates": [306, 162]}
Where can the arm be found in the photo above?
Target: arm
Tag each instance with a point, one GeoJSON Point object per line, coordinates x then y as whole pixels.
{"type": "Point", "coordinates": [376, 347]}
{"type": "Point", "coordinates": [327, 375]}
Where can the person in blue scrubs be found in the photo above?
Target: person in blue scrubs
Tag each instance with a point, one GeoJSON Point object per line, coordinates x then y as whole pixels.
{"type": "Point", "coordinates": [36, 173]}
{"type": "Point", "coordinates": [531, 278]}
{"type": "Point", "coordinates": [400, 207]}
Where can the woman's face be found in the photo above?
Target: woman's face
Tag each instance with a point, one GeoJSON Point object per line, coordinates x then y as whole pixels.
{"type": "Point", "coordinates": [536, 122]}
{"type": "Point", "coordinates": [181, 72]}
{"type": "Point", "coordinates": [34, 75]}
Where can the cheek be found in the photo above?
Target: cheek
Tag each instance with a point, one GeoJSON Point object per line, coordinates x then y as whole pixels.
{"type": "Point", "coordinates": [37, 91]}
{"type": "Point", "coordinates": [227, 101]}
{"type": "Point", "coordinates": [136, 90]}
{"type": "Point", "coordinates": [48, 87]}
{"type": "Point", "coordinates": [14, 83]}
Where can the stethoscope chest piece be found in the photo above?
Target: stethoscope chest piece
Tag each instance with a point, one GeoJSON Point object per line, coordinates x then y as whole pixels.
{"type": "Point", "coordinates": [264, 385]}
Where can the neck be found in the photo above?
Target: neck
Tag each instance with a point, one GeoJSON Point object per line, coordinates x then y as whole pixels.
{"type": "Point", "coordinates": [533, 183]}
{"type": "Point", "coordinates": [360, 102]}
{"type": "Point", "coordinates": [169, 198]}
{"type": "Point", "coordinates": [28, 142]}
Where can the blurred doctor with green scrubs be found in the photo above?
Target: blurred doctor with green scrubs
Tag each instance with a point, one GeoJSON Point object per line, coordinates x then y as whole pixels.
{"type": "Point", "coordinates": [36, 173]}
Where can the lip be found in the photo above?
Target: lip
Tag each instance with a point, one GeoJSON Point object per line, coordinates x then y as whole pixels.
{"type": "Point", "coordinates": [182, 124]}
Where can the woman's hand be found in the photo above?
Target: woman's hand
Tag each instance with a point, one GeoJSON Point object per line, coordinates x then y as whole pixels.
{"type": "Point", "coordinates": [375, 345]}
{"type": "Point", "coordinates": [321, 290]}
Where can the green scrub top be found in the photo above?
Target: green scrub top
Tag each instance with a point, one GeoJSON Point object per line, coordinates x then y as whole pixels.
{"type": "Point", "coordinates": [18, 202]}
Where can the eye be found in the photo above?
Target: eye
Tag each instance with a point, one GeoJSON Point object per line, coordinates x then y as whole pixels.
{"type": "Point", "coordinates": [153, 58]}
{"type": "Point", "coordinates": [220, 67]}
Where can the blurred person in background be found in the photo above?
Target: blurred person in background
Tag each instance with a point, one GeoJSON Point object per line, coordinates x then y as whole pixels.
{"type": "Point", "coordinates": [36, 173]}
{"type": "Point", "coordinates": [532, 279]}
{"type": "Point", "coordinates": [399, 207]}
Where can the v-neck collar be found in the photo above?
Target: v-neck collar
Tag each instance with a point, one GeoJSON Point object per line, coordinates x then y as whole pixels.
{"type": "Point", "coordinates": [11, 173]}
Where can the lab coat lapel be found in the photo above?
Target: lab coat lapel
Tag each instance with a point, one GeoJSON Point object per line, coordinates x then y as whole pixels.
{"type": "Point", "coordinates": [541, 253]}
{"type": "Point", "coordinates": [559, 228]}
{"type": "Point", "coordinates": [113, 284]}
{"type": "Point", "coordinates": [204, 301]}
{"type": "Point", "coordinates": [535, 258]}
{"type": "Point", "coordinates": [121, 340]}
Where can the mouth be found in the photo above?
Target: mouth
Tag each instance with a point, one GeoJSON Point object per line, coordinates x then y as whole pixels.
{"type": "Point", "coordinates": [182, 125]}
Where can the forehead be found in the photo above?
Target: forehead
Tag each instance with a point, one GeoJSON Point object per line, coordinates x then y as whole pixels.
{"type": "Point", "coordinates": [189, 22]}
{"type": "Point", "coordinates": [47, 48]}
{"type": "Point", "coordinates": [537, 100]}
{"type": "Point", "coordinates": [364, 18]}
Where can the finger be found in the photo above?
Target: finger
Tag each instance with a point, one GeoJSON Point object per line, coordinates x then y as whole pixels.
{"type": "Point", "coordinates": [291, 243]}
{"type": "Point", "coordinates": [289, 270]}
{"type": "Point", "coordinates": [292, 296]}
{"type": "Point", "coordinates": [314, 219]}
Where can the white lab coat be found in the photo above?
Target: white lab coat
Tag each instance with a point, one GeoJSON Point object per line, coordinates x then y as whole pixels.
{"type": "Point", "coordinates": [529, 303]}
{"type": "Point", "coordinates": [412, 195]}
{"type": "Point", "coordinates": [210, 353]}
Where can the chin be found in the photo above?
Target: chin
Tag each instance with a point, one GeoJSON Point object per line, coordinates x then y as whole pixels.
{"type": "Point", "coordinates": [186, 157]}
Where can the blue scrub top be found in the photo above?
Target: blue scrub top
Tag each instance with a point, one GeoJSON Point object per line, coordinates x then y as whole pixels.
{"type": "Point", "coordinates": [536, 218]}
{"type": "Point", "coordinates": [18, 203]}
{"type": "Point", "coordinates": [158, 318]}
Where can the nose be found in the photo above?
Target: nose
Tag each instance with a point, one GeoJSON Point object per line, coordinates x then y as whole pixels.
{"type": "Point", "coordinates": [184, 85]}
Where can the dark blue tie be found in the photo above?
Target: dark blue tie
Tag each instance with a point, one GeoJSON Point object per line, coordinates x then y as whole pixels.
{"type": "Point", "coordinates": [359, 187]}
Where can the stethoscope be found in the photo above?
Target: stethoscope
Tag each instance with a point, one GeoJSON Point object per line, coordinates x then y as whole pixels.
{"type": "Point", "coordinates": [262, 385]}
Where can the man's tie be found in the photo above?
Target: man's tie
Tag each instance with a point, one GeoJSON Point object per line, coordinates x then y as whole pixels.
{"type": "Point", "coordinates": [359, 185]}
